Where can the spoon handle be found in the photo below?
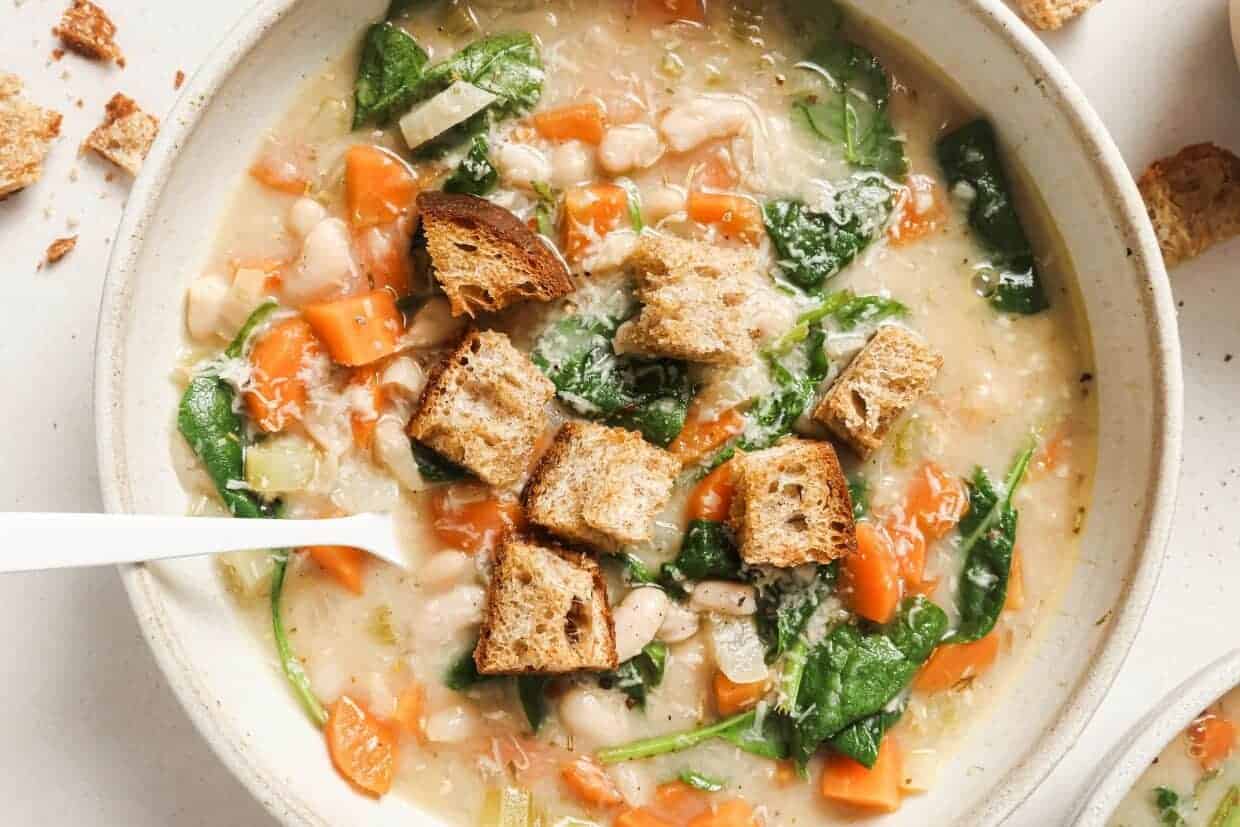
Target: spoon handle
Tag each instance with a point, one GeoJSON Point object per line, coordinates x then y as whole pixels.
{"type": "Point", "coordinates": [32, 541]}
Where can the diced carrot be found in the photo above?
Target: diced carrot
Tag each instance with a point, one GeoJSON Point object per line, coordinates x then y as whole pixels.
{"type": "Point", "coordinates": [736, 216]}
{"type": "Point", "coordinates": [717, 172]}
{"type": "Point", "coordinates": [910, 547]}
{"type": "Point", "coordinates": [711, 498]}
{"type": "Point", "coordinates": [936, 500]}
{"type": "Point", "coordinates": [592, 212]}
{"type": "Point", "coordinates": [732, 813]}
{"type": "Point", "coordinates": [590, 783]}
{"type": "Point", "coordinates": [472, 519]}
{"type": "Point", "coordinates": [872, 574]}
{"type": "Point", "coordinates": [378, 186]}
{"type": "Point", "coordinates": [731, 698]}
{"type": "Point", "coordinates": [284, 168]}
{"type": "Point", "coordinates": [701, 436]}
{"type": "Point", "coordinates": [640, 817]}
{"type": "Point", "coordinates": [277, 393]}
{"type": "Point", "coordinates": [357, 330]}
{"type": "Point", "coordinates": [576, 122]}
{"type": "Point", "coordinates": [953, 663]}
{"type": "Point", "coordinates": [365, 381]}
{"type": "Point", "coordinates": [344, 563]}
{"type": "Point", "coordinates": [692, 11]}
{"type": "Point", "coordinates": [677, 802]}
{"type": "Point", "coordinates": [384, 255]}
{"type": "Point", "coordinates": [846, 781]}
{"type": "Point", "coordinates": [362, 747]}
{"type": "Point", "coordinates": [1016, 585]}
{"type": "Point", "coordinates": [921, 209]}
{"type": "Point", "coordinates": [411, 709]}
{"type": "Point", "coordinates": [1211, 739]}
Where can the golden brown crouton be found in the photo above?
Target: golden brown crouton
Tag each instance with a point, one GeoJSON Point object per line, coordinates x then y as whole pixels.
{"type": "Point", "coordinates": [60, 248]}
{"type": "Point", "coordinates": [26, 135]}
{"type": "Point", "coordinates": [546, 613]}
{"type": "Point", "coordinates": [693, 298]}
{"type": "Point", "coordinates": [86, 29]}
{"type": "Point", "coordinates": [484, 257]}
{"type": "Point", "coordinates": [484, 409]}
{"type": "Point", "coordinates": [126, 134]}
{"type": "Point", "coordinates": [883, 381]}
{"type": "Point", "coordinates": [1193, 198]}
{"type": "Point", "coordinates": [1049, 15]}
{"type": "Point", "coordinates": [600, 486]}
{"type": "Point", "coordinates": [791, 505]}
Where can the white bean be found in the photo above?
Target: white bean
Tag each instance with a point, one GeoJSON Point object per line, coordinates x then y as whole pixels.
{"type": "Point", "coordinates": [453, 724]}
{"type": "Point", "coordinates": [678, 624]}
{"type": "Point", "coordinates": [521, 165]}
{"type": "Point", "coordinates": [627, 147]}
{"type": "Point", "coordinates": [434, 325]}
{"type": "Point", "coordinates": [403, 377]}
{"type": "Point", "coordinates": [703, 119]}
{"type": "Point", "coordinates": [305, 215]}
{"type": "Point", "coordinates": [572, 163]}
{"type": "Point", "coordinates": [444, 617]}
{"type": "Point", "coordinates": [638, 619]}
{"type": "Point", "coordinates": [204, 305]}
{"type": "Point", "coordinates": [447, 568]}
{"type": "Point", "coordinates": [726, 598]}
{"type": "Point", "coordinates": [595, 716]}
{"type": "Point", "coordinates": [325, 266]}
{"type": "Point", "coordinates": [660, 202]}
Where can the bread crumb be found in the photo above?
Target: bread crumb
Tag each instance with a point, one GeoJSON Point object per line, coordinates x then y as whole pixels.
{"type": "Point", "coordinates": [1193, 198]}
{"type": "Point", "coordinates": [57, 54]}
{"type": "Point", "coordinates": [26, 134]}
{"type": "Point", "coordinates": [178, 79]}
{"type": "Point", "coordinates": [60, 248]}
{"type": "Point", "coordinates": [126, 134]}
{"type": "Point", "coordinates": [1049, 15]}
{"type": "Point", "coordinates": [86, 29]}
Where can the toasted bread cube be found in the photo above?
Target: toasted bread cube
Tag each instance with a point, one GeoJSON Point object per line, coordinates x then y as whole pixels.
{"type": "Point", "coordinates": [791, 505]}
{"type": "Point", "coordinates": [600, 486]}
{"type": "Point", "coordinates": [693, 297]}
{"type": "Point", "coordinates": [125, 136]}
{"type": "Point", "coordinates": [1193, 199]}
{"type": "Point", "coordinates": [1049, 15]}
{"type": "Point", "coordinates": [86, 29]}
{"type": "Point", "coordinates": [26, 135]}
{"type": "Point", "coordinates": [547, 612]}
{"type": "Point", "coordinates": [883, 381]}
{"type": "Point", "coordinates": [484, 257]}
{"type": "Point", "coordinates": [484, 408]}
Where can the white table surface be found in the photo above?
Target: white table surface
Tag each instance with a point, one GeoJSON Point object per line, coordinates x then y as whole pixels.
{"type": "Point", "coordinates": [91, 733]}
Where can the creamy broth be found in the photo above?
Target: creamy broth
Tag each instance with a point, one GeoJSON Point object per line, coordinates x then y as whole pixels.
{"type": "Point", "coordinates": [1003, 377]}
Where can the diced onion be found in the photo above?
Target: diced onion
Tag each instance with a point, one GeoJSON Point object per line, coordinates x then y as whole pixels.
{"type": "Point", "coordinates": [247, 574]}
{"type": "Point", "coordinates": [281, 464]}
{"type": "Point", "coordinates": [204, 306]}
{"type": "Point", "coordinates": [739, 652]}
{"type": "Point", "coordinates": [921, 770]}
{"type": "Point", "coordinates": [457, 103]}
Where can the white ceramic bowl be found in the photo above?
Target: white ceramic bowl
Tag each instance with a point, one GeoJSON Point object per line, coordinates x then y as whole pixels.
{"type": "Point", "coordinates": [230, 685]}
{"type": "Point", "coordinates": [1132, 756]}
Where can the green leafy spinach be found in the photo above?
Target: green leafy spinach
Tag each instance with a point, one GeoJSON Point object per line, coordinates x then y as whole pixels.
{"type": "Point", "coordinates": [708, 552]}
{"type": "Point", "coordinates": [388, 75]}
{"type": "Point", "coordinates": [475, 175]}
{"type": "Point", "coordinates": [435, 468]}
{"type": "Point", "coordinates": [638, 675]}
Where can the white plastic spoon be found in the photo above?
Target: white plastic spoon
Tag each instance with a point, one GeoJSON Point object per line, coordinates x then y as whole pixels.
{"type": "Point", "coordinates": [29, 542]}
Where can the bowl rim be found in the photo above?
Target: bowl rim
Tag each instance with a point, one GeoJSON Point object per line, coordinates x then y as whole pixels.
{"type": "Point", "coordinates": [1155, 524]}
{"type": "Point", "coordinates": [1151, 734]}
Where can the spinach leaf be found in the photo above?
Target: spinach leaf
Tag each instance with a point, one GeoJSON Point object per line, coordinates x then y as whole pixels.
{"type": "Point", "coordinates": [639, 674]}
{"type": "Point", "coordinates": [678, 741]}
{"type": "Point", "coordinates": [697, 781]}
{"type": "Point", "coordinates": [765, 736]}
{"type": "Point", "coordinates": [847, 309]}
{"type": "Point", "coordinates": [988, 532]}
{"type": "Point", "coordinates": [813, 247]}
{"type": "Point", "coordinates": [851, 675]}
{"type": "Point", "coordinates": [1167, 802]}
{"type": "Point", "coordinates": [786, 601]}
{"type": "Point", "coordinates": [388, 76]}
{"type": "Point", "coordinates": [435, 468]}
{"type": "Point", "coordinates": [970, 156]}
{"type": "Point", "coordinates": [772, 417]}
{"type": "Point", "coordinates": [859, 492]}
{"type": "Point", "coordinates": [532, 690]}
{"type": "Point", "coordinates": [868, 310]}
{"type": "Point", "coordinates": [544, 212]}
{"type": "Point", "coordinates": [289, 663]}
{"type": "Point", "coordinates": [475, 175]}
{"type": "Point", "coordinates": [708, 552]}
{"type": "Point", "coordinates": [463, 673]}
{"type": "Point", "coordinates": [506, 65]}
{"type": "Point", "coordinates": [636, 572]}
{"type": "Point", "coordinates": [647, 395]}
{"type": "Point", "coordinates": [860, 741]}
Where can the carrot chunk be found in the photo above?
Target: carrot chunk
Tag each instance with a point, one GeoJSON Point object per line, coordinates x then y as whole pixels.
{"type": "Point", "coordinates": [921, 210]}
{"type": "Point", "coordinates": [411, 709]}
{"type": "Point", "coordinates": [1016, 585]}
{"type": "Point", "coordinates": [277, 394]}
{"type": "Point", "coordinates": [936, 500]}
{"type": "Point", "coordinates": [731, 698]}
{"type": "Point", "coordinates": [344, 563]}
{"type": "Point", "coordinates": [700, 437]}
{"type": "Point", "coordinates": [872, 574]}
{"type": "Point", "coordinates": [577, 122]}
{"type": "Point", "coordinates": [640, 817]}
{"type": "Point", "coordinates": [365, 380]}
{"type": "Point", "coordinates": [910, 548]}
{"type": "Point", "coordinates": [953, 663]}
{"type": "Point", "coordinates": [846, 781]}
{"type": "Point", "coordinates": [378, 186]}
{"type": "Point", "coordinates": [590, 783]}
{"type": "Point", "coordinates": [357, 330]}
{"type": "Point", "coordinates": [677, 802]}
{"type": "Point", "coordinates": [735, 215]}
{"type": "Point", "coordinates": [362, 747]}
{"type": "Point", "coordinates": [711, 498]}
{"type": "Point", "coordinates": [472, 519]}
{"type": "Point", "coordinates": [1211, 739]}
{"type": "Point", "coordinates": [590, 213]}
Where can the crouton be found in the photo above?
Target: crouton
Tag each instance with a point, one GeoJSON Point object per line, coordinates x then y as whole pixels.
{"type": "Point", "coordinates": [126, 134]}
{"type": "Point", "coordinates": [484, 257]}
{"type": "Point", "coordinates": [791, 505]}
{"type": "Point", "coordinates": [26, 135]}
{"type": "Point", "coordinates": [1049, 15]}
{"type": "Point", "coordinates": [546, 612]}
{"type": "Point", "coordinates": [1193, 199]}
{"type": "Point", "coordinates": [60, 248]}
{"type": "Point", "coordinates": [86, 29]}
{"type": "Point", "coordinates": [693, 298]}
{"type": "Point", "coordinates": [600, 486]}
{"type": "Point", "coordinates": [484, 408]}
{"type": "Point", "coordinates": [883, 381]}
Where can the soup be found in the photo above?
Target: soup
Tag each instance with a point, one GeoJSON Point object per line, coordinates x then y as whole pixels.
{"type": "Point", "coordinates": [704, 356]}
{"type": "Point", "coordinates": [1196, 778]}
